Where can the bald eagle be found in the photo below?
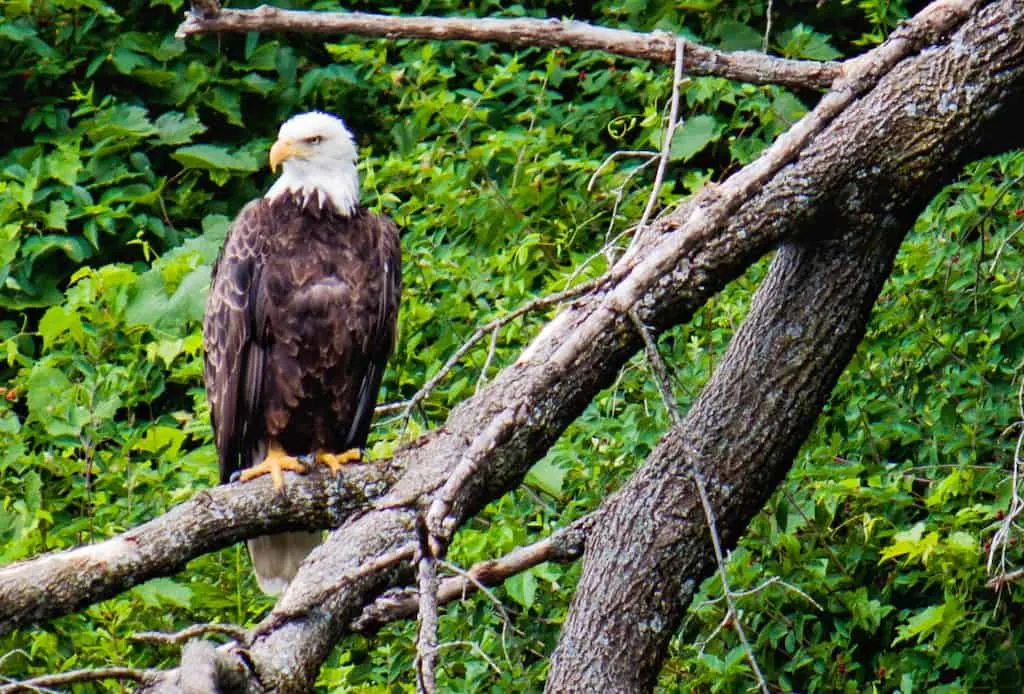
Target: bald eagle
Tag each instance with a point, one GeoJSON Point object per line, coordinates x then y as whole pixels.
{"type": "Point", "coordinates": [299, 323]}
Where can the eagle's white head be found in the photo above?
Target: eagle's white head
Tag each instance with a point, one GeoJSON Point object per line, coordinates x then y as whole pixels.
{"type": "Point", "coordinates": [317, 156]}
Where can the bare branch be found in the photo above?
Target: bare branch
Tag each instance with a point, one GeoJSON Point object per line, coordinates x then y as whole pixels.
{"type": "Point", "coordinates": [61, 582]}
{"type": "Point", "coordinates": [716, 542]}
{"type": "Point", "coordinates": [666, 140]}
{"type": "Point", "coordinates": [661, 375]}
{"type": "Point", "coordinates": [235, 632]}
{"type": "Point", "coordinates": [45, 682]}
{"type": "Point", "coordinates": [562, 546]}
{"type": "Point", "coordinates": [426, 638]}
{"type": "Point", "coordinates": [659, 46]}
{"type": "Point", "coordinates": [767, 26]}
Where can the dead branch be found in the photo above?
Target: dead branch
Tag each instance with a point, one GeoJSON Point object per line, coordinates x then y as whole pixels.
{"type": "Point", "coordinates": [426, 638]}
{"type": "Point", "coordinates": [562, 546]}
{"type": "Point", "coordinates": [659, 46]}
{"type": "Point", "coordinates": [35, 684]}
{"type": "Point", "coordinates": [231, 630]}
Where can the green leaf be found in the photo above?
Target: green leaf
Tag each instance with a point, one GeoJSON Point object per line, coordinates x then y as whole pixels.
{"type": "Point", "coordinates": [162, 440]}
{"type": "Point", "coordinates": [75, 248]}
{"type": "Point", "coordinates": [175, 128]}
{"type": "Point", "coordinates": [788, 108]}
{"type": "Point", "coordinates": [229, 102]}
{"type": "Point", "coordinates": [522, 588]}
{"type": "Point", "coordinates": [214, 157]}
{"type": "Point", "coordinates": [48, 394]}
{"type": "Point", "coordinates": [57, 216]}
{"type": "Point", "coordinates": [316, 77]}
{"type": "Point", "coordinates": [162, 592]}
{"type": "Point", "coordinates": [803, 42]}
{"type": "Point", "coordinates": [692, 136]}
{"type": "Point", "coordinates": [151, 306]}
{"type": "Point", "coordinates": [737, 36]}
{"type": "Point", "coordinates": [936, 622]}
{"type": "Point", "coordinates": [120, 122]}
{"type": "Point", "coordinates": [546, 476]}
{"type": "Point", "coordinates": [58, 320]}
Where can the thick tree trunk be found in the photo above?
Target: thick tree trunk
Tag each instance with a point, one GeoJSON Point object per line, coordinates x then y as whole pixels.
{"type": "Point", "coordinates": [650, 547]}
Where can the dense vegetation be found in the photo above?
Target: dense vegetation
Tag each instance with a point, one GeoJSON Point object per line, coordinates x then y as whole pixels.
{"type": "Point", "coordinates": [131, 150]}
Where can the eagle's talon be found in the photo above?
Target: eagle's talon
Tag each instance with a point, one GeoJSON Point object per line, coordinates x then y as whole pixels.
{"type": "Point", "coordinates": [276, 462]}
{"type": "Point", "coordinates": [336, 460]}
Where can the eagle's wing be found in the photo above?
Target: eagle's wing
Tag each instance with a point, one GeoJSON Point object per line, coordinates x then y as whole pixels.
{"type": "Point", "coordinates": [380, 339]}
{"type": "Point", "coordinates": [234, 331]}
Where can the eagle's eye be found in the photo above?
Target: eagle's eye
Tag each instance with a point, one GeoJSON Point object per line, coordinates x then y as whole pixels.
{"type": "Point", "coordinates": [315, 139]}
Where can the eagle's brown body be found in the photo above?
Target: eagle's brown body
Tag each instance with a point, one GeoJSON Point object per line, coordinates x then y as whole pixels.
{"type": "Point", "coordinates": [300, 321]}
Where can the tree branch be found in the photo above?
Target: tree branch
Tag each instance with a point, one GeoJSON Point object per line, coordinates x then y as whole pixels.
{"type": "Point", "coordinates": [64, 679]}
{"type": "Point", "coordinates": [426, 639]}
{"type": "Point", "coordinates": [562, 546]}
{"type": "Point", "coordinates": [62, 582]}
{"type": "Point", "coordinates": [659, 46]}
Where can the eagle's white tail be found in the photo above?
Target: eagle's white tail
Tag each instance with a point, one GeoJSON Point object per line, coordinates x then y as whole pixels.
{"type": "Point", "coordinates": [276, 558]}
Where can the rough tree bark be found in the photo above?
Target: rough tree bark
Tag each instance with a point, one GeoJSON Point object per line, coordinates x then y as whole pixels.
{"type": "Point", "coordinates": [896, 149]}
{"type": "Point", "coordinates": [650, 549]}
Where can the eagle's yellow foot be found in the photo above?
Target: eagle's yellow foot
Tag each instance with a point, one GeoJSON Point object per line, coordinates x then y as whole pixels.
{"type": "Point", "coordinates": [336, 460]}
{"type": "Point", "coordinates": [276, 462]}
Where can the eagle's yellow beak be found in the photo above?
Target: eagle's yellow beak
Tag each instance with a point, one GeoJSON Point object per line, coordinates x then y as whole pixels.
{"type": "Point", "coordinates": [282, 149]}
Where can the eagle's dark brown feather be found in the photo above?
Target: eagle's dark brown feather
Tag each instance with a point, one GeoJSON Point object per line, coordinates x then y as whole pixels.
{"type": "Point", "coordinates": [300, 321]}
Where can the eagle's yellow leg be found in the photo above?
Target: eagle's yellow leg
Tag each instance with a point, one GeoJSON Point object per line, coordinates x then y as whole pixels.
{"type": "Point", "coordinates": [336, 460]}
{"type": "Point", "coordinates": [276, 462]}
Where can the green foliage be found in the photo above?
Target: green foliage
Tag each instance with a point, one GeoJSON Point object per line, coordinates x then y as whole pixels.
{"type": "Point", "coordinates": [131, 151]}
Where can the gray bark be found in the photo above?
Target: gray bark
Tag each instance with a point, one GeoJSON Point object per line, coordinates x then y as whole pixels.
{"type": "Point", "coordinates": [890, 152]}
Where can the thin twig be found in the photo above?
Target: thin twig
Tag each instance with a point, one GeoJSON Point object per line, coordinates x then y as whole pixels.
{"type": "Point", "coordinates": [562, 546]}
{"type": "Point", "coordinates": [491, 350]}
{"type": "Point", "coordinates": [1003, 536]}
{"type": "Point", "coordinates": [767, 27]}
{"type": "Point", "coordinates": [426, 639]}
{"type": "Point", "coordinates": [659, 369]}
{"type": "Point", "coordinates": [774, 580]}
{"type": "Point", "coordinates": [611, 242]}
{"type": "Point", "coordinates": [476, 649]}
{"type": "Point", "coordinates": [709, 515]}
{"type": "Point", "coordinates": [497, 324]}
{"type": "Point", "coordinates": [390, 407]}
{"type": "Point", "coordinates": [471, 579]}
{"type": "Point", "coordinates": [666, 142]}
{"type": "Point", "coordinates": [235, 632]}
{"type": "Point", "coordinates": [618, 154]}
{"type": "Point", "coordinates": [1002, 580]}
{"type": "Point", "coordinates": [78, 676]}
